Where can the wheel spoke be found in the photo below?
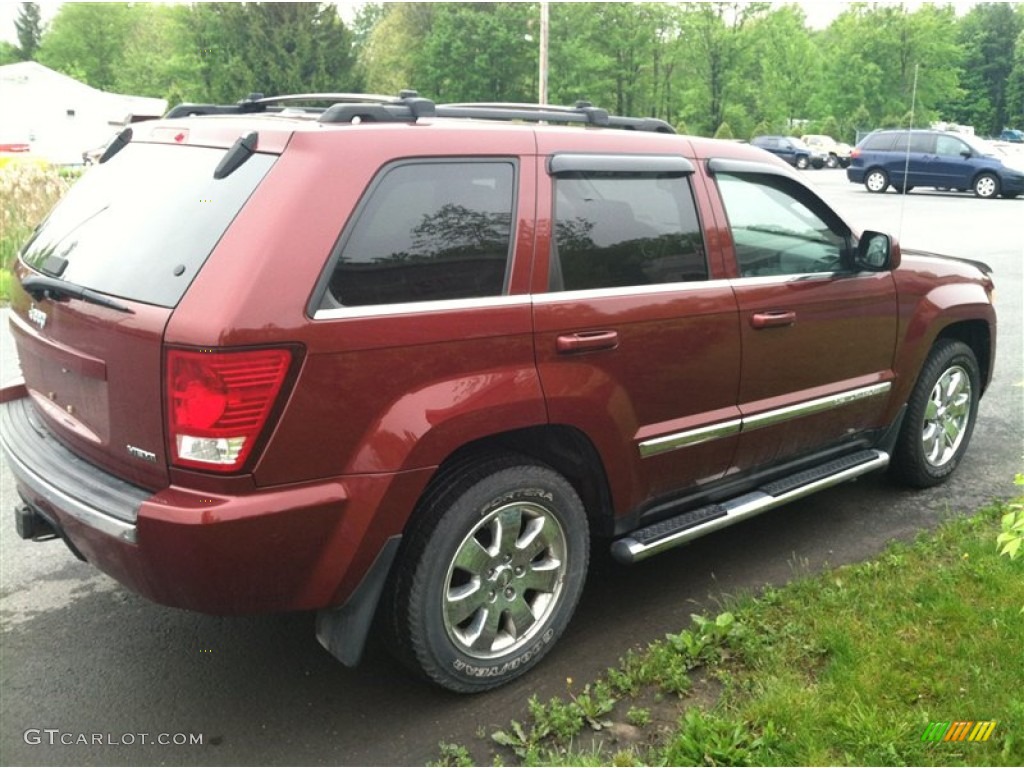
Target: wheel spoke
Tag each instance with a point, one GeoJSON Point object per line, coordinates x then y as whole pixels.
{"type": "Point", "coordinates": [954, 385]}
{"type": "Point", "coordinates": [472, 557]}
{"type": "Point", "coordinates": [471, 634]}
{"type": "Point", "coordinates": [508, 524]}
{"type": "Point", "coordinates": [462, 602]}
{"type": "Point", "coordinates": [951, 431]}
{"type": "Point", "coordinates": [542, 577]}
{"type": "Point", "coordinates": [537, 538]}
{"type": "Point", "coordinates": [931, 440]}
{"type": "Point", "coordinates": [519, 618]}
{"type": "Point", "coordinates": [487, 627]}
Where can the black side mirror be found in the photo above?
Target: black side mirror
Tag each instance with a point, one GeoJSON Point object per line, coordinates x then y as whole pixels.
{"type": "Point", "coordinates": [876, 252]}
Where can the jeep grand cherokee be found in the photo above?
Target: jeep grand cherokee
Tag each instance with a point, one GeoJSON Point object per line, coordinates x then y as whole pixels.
{"type": "Point", "coordinates": [393, 360]}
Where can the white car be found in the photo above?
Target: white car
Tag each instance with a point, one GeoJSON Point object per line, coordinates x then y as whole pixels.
{"type": "Point", "coordinates": [837, 154]}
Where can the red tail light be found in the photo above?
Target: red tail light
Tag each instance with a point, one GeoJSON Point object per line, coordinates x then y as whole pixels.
{"type": "Point", "coordinates": [218, 403]}
{"type": "Point", "coordinates": [855, 152]}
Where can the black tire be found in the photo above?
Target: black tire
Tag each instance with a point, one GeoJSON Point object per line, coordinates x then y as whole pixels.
{"type": "Point", "coordinates": [497, 540]}
{"type": "Point", "coordinates": [832, 161]}
{"type": "Point", "coordinates": [906, 189]}
{"type": "Point", "coordinates": [844, 162]}
{"type": "Point", "coordinates": [940, 416]}
{"type": "Point", "coordinates": [986, 186]}
{"type": "Point", "coordinates": [802, 162]}
{"type": "Point", "coordinates": [876, 180]}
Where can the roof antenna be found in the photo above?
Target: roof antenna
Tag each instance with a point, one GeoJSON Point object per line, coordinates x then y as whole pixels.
{"type": "Point", "coordinates": [906, 163]}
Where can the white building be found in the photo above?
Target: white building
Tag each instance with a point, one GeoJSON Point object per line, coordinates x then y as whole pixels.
{"type": "Point", "coordinates": [61, 117]}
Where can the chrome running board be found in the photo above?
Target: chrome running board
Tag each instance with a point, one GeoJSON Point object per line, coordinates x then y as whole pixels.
{"type": "Point", "coordinates": [675, 531]}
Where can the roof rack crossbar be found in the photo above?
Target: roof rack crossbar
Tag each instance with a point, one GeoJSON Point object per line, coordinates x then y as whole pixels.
{"type": "Point", "coordinates": [408, 107]}
{"type": "Point", "coordinates": [332, 97]}
{"type": "Point", "coordinates": [583, 112]}
{"type": "Point", "coordinates": [258, 103]}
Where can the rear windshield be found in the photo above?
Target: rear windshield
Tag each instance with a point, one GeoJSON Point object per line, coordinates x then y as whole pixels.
{"type": "Point", "coordinates": [141, 225]}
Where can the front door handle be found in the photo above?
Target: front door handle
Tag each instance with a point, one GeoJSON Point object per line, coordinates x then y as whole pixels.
{"type": "Point", "coordinates": [586, 341]}
{"type": "Point", "coordinates": [774, 319]}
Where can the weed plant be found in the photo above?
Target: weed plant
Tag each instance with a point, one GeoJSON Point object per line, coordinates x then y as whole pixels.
{"type": "Point", "coordinates": [27, 193]}
{"type": "Point", "coordinates": [849, 667]}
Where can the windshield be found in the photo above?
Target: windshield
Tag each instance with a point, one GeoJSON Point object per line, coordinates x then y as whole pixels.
{"type": "Point", "coordinates": [141, 225]}
{"type": "Point", "coordinates": [980, 146]}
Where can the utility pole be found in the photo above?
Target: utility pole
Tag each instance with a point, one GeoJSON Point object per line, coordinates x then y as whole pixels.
{"type": "Point", "coordinates": [543, 96]}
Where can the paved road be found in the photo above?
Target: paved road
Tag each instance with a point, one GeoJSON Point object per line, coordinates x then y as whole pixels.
{"type": "Point", "coordinates": [82, 659]}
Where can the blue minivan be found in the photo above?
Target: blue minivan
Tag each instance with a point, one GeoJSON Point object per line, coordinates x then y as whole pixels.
{"type": "Point", "coordinates": [919, 158]}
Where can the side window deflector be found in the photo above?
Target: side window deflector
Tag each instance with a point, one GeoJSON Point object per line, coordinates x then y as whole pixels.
{"type": "Point", "coordinates": [668, 166]}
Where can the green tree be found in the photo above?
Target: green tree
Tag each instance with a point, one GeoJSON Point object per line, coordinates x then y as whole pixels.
{"type": "Point", "coordinates": [367, 18]}
{"type": "Point", "coordinates": [713, 56]}
{"type": "Point", "coordinates": [390, 57]}
{"type": "Point", "coordinates": [9, 54]}
{"type": "Point", "coordinates": [830, 127]}
{"type": "Point", "coordinates": [29, 26]}
{"type": "Point", "coordinates": [778, 72]}
{"type": "Point", "coordinates": [86, 41]}
{"type": "Point", "coordinates": [871, 56]}
{"type": "Point", "coordinates": [480, 52]}
{"type": "Point", "coordinates": [272, 48]}
{"type": "Point", "coordinates": [1015, 86]}
{"type": "Point", "coordinates": [620, 56]}
{"type": "Point", "coordinates": [158, 56]}
{"type": "Point", "coordinates": [859, 123]}
{"type": "Point", "coordinates": [988, 36]}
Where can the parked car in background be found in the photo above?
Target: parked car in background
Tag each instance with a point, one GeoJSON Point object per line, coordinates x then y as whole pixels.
{"type": "Point", "coordinates": [905, 159]}
{"type": "Point", "coordinates": [1012, 135]}
{"type": "Point", "coordinates": [792, 150]}
{"type": "Point", "coordinates": [837, 154]}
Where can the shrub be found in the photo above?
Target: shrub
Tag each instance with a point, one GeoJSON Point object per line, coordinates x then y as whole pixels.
{"type": "Point", "coordinates": [27, 193]}
{"type": "Point", "coordinates": [724, 132]}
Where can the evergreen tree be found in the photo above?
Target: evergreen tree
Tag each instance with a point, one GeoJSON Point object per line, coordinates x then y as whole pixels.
{"type": "Point", "coordinates": [29, 26]}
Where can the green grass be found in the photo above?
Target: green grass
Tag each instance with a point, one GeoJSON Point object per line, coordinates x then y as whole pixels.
{"type": "Point", "coordinates": [845, 668]}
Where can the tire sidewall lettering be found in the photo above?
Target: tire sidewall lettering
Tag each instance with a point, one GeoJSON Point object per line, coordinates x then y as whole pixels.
{"type": "Point", "coordinates": [522, 494]}
{"type": "Point", "coordinates": [508, 666]}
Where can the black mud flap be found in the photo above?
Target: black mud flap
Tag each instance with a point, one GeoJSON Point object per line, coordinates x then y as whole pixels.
{"type": "Point", "coordinates": [343, 630]}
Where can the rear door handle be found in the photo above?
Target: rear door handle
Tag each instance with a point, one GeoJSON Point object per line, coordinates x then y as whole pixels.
{"type": "Point", "coordinates": [586, 341]}
{"type": "Point", "coordinates": [774, 319]}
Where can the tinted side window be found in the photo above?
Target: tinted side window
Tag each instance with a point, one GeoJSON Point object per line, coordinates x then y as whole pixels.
{"type": "Point", "coordinates": [779, 227]}
{"type": "Point", "coordinates": [922, 142]}
{"type": "Point", "coordinates": [879, 142]}
{"type": "Point", "coordinates": [429, 231]}
{"type": "Point", "coordinates": [949, 146]}
{"type": "Point", "coordinates": [618, 229]}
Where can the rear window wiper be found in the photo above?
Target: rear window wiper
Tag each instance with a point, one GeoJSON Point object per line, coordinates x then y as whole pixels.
{"type": "Point", "coordinates": [40, 286]}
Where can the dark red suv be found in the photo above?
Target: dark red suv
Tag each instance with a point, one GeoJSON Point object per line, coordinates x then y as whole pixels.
{"type": "Point", "coordinates": [397, 361]}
